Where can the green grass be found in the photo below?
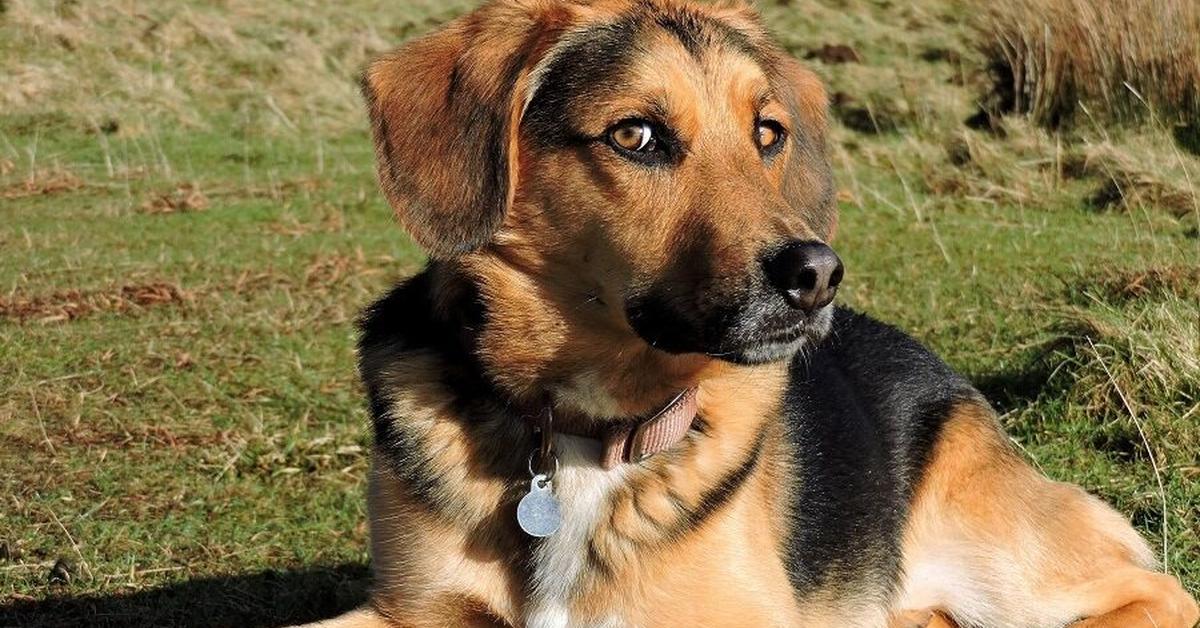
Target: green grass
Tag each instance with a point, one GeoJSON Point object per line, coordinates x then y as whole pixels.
{"type": "Point", "coordinates": [196, 452]}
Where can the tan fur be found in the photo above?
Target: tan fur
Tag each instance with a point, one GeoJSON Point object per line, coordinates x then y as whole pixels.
{"type": "Point", "coordinates": [361, 618]}
{"type": "Point", "coordinates": [430, 573]}
{"type": "Point", "coordinates": [926, 618]}
{"type": "Point", "coordinates": [552, 240]}
{"type": "Point", "coordinates": [1018, 546]}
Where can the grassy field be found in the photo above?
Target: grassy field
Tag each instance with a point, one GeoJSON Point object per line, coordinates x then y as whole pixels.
{"type": "Point", "coordinates": [190, 224]}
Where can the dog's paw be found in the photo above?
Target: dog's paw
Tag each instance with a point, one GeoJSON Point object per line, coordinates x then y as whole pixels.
{"type": "Point", "coordinates": [1170, 606]}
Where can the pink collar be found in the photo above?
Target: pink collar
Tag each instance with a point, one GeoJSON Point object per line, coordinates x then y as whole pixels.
{"type": "Point", "coordinates": [634, 442]}
{"type": "Point", "coordinates": [662, 431]}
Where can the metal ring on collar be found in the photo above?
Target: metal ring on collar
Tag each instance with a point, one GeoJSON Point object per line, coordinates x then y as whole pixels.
{"type": "Point", "coordinates": [551, 474]}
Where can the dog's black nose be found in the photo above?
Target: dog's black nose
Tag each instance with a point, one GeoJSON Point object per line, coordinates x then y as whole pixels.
{"type": "Point", "coordinates": [806, 273]}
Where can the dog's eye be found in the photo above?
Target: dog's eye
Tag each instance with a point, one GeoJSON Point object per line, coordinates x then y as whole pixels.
{"type": "Point", "coordinates": [635, 136]}
{"type": "Point", "coordinates": [644, 142]}
{"type": "Point", "coordinates": [769, 134]}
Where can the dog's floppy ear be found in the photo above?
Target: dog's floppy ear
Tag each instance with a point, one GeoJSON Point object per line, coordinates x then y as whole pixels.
{"type": "Point", "coordinates": [445, 112]}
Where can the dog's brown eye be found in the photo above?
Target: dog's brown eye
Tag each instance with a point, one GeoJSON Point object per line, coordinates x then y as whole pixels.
{"type": "Point", "coordinates": [768, 135]}
{"type": "Point", "coordinates": [633, 135]}
{"type": "Point", "coordinates": [644, 142]}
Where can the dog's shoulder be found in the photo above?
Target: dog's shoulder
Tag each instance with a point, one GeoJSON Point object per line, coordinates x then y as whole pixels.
{"type": "Point", "coordinates": [863, 411]}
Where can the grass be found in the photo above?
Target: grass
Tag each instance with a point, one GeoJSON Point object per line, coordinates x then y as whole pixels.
{"type": "Point", "coordinates": [191, 225]}
{"type": "Point", "coordinates": [1052, 59]}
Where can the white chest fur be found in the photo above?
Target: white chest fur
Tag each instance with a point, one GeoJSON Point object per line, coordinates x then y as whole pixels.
{"type": "Point", "coordinates": [582, 488]}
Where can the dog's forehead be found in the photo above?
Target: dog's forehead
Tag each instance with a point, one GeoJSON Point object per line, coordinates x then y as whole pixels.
{"type": "Point", "coordinates": [620, 52]}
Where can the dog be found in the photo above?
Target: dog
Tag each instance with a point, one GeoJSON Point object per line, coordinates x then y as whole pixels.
{"type": "Point", "coordinates": [620, 394]}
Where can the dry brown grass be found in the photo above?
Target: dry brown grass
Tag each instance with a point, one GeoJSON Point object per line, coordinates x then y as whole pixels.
{"type": "Point", "coordinates": [1113, 58]}
{"type": "Point", "coordinates": [69, 305]}
{"type": "Point", "coordinates": [1138, 172]}
{"type": "Point", "coordinates": [120, 65]}
{"type": "Point", "coordinates": [1162, 282]}
{"type": "Point", "coordinates": [40, 182]}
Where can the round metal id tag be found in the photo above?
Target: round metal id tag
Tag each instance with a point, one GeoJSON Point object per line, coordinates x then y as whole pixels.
{"type": "Point", "coordinates": [538, 513]}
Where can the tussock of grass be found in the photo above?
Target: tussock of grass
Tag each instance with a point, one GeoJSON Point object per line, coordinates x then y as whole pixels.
{"type": "Point", "coordinates": [1049, 58]}
{"type": "Point", "coordinates": [1126, 171]}
{"type": "Point", "coordinates": [1142, 357]}
{"type": "Point", "coordinates": [1126, 192]}
{"type": "Point", "coordinates": [1158, 282]}
{"type": "Point", "coordinates": [1137, 173]}
{"type": "Point", "coordinates": [975, 165]}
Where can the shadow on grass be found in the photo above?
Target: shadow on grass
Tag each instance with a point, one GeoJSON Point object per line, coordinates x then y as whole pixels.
{"type": "Point", "coordinates": [1026, 379]}
{"type": "Point", "coordinates": [1010, 390]}
{"type": "Point", "coordinates": [266, 599]}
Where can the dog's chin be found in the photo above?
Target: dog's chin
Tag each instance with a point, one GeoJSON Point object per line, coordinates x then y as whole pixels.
{"type": "Point", "coordinates": [763, 353]}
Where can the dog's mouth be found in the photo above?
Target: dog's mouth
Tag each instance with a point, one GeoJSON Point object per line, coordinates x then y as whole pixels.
{"type": "Point", "coordinates": [780, 343]}
{"type": "Point", "coordinates": [787, 335]}
{"type": "Point", "coordinates": [750, 333]}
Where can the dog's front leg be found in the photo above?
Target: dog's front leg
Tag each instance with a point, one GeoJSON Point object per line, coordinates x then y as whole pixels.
{"type": "Point", "coordinates": [994, 543]}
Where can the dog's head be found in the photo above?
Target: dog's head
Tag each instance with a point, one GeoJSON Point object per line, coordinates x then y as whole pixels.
{"type": "Point", "coordinates": [655, 171]}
